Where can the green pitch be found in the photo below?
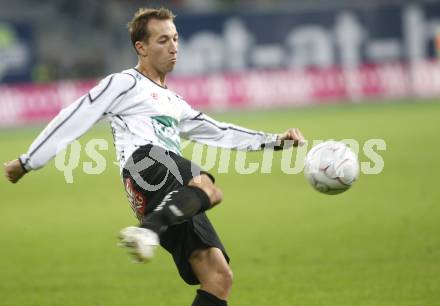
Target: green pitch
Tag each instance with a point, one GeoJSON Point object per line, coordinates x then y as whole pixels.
{"type": "Point", "coordinates": [376, 245]}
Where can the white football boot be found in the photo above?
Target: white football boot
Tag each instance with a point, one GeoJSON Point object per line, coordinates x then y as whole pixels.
{"type": "Point", "coordinates": [141, 241]}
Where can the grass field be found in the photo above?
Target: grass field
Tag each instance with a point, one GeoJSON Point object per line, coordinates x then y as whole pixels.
{"type": "Point", "coordinates": [376, 245]}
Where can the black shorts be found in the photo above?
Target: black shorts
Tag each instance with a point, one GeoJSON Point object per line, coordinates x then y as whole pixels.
{"type": "Point", "coordinates": [150, 174]}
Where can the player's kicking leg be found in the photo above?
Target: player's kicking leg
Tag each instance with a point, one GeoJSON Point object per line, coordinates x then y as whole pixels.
{"type": "Point", "coordinates": [177, 206]}
{"type": "Point", "coordinates": [141, 241]}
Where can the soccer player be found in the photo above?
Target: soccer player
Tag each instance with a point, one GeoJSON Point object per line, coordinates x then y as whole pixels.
{"type": "Point", "coordinates": [168, 193]}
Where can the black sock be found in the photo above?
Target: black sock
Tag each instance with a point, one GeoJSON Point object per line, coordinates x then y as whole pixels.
{"type": "Point", "coordinates": [176, 207]}
{"type": "Point", "coordinates": [204, 298]}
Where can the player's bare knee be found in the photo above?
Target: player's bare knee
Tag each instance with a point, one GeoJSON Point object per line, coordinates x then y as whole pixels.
{"type": "Point", "coordinates": [223, 282]}
{"type": "Point", "coordinates": [217, 196]}
{"type": "Point", "coordinates": [219, 283]}
{"type": "Point", "coordinates": [226, 279]}
{"type": "Point", "coordinates": [214, 193]}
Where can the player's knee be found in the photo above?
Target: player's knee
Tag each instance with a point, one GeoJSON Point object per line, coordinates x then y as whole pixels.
{"type": "Point", "coordinates": [226, 279]}
{"type": "Point", "coordinates": [214, 193]}
{"type": "Point", "coordinates": [220, 283]}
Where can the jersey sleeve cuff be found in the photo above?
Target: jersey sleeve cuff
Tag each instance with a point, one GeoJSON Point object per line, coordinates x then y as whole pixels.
{"type": "Point", "coordinates": [24, 162]}
{"type": "Point", "coordinates": [272, 141]}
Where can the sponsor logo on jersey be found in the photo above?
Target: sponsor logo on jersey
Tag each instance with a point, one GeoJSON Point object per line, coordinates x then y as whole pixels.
{"type": "Point", "coordinates": [166, 131]}
{"type": "Point", "coordinates": [137, 200]}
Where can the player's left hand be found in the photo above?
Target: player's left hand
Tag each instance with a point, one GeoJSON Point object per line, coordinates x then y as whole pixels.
{"type": "Point", "coordinates": [14, 171]}
{"type": "Point", "coordinates": [293, 134]}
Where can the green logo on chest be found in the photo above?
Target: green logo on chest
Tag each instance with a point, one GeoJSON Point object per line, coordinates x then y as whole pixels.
{"type": "Point", "coordinates": [166, 131]}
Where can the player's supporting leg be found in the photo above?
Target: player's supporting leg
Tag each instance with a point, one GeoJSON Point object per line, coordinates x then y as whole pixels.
{"type": "Point", "coordinates": [183, 203]}
{"type": "Point", "coordinates": [215, 276]}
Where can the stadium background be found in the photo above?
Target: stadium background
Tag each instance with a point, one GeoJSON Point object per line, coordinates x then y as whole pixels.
{"type": "Point", "coordinates": [340, 70]}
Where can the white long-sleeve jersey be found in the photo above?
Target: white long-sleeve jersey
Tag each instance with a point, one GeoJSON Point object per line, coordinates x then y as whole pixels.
{"type": "Point", "coordinates": [140, 112]}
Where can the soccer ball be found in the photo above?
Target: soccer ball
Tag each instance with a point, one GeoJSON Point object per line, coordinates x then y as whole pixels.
{"type": "Point", "coordinates": [331, 167]}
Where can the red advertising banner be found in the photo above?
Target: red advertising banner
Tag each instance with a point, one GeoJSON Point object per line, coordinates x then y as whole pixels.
{"type": "Point", "coordinates": [27, 104]}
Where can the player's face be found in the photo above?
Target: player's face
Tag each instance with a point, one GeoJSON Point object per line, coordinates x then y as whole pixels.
{"type": "Point", "coordinates": [162, 45]}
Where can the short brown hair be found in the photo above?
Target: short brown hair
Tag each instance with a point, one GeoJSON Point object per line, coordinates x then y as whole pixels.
{"type": "Point", "coordinates": [138, 25]}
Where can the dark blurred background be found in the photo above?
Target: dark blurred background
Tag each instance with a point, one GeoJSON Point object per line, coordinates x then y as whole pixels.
{"type": "Point", "coordinates": [63, 39]}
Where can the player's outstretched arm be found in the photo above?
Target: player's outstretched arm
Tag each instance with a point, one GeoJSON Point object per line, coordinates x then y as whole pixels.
{"type": "Point", "coordinates": [201, 128]}
{"type": "Point", "coordinates": [72, 122]}
{"type": "Point", "coordinates": [204, 129]}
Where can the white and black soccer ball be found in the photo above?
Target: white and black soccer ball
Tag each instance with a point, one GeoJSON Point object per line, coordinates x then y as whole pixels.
{"type": "Point", "coordinates": [331, 167]}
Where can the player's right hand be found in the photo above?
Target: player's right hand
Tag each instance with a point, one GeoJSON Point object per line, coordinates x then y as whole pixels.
{"type": "Point", "coordinates": [14, 171]}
